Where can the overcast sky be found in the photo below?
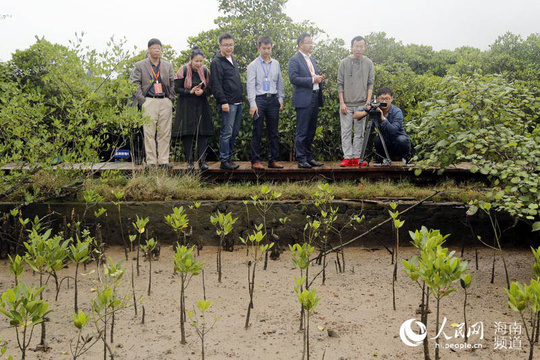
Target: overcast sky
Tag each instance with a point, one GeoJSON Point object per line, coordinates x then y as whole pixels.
{"type": "Point", "coordinates": [441, 24]}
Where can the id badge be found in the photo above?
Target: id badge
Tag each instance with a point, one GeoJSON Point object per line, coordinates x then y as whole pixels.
{"type": "Point", "coordinates": [266, 85]}
{"type": "Point", "coordinates": [158, 89]}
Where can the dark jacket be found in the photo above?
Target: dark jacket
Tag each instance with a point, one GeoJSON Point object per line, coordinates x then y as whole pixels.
{"type": "Point", "coordinates": [193, 115]}
{"type": "Point", "coordinates": [300, 78]}
{"type": "Point", "coordinates": [393, 126]}
{"type": "Point", "coordinates": [225, 80]}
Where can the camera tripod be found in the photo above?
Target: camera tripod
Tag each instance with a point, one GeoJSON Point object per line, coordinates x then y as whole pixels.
{"type": "Point", "coordinates": [372, 124]}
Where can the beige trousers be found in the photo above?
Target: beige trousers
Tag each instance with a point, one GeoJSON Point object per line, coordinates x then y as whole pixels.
{"type": "Point", "coordinates": [157, 133]}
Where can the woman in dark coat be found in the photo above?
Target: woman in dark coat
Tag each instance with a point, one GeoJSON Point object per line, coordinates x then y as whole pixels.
{"type": "Point", "coordinates": [193, 122]}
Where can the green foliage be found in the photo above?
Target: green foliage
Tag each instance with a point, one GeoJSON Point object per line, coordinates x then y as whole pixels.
{"type": "Point", "coordinates": [46, 253]}
{"type": "Point", "coordinates": [178, 220]}
{"type": "Point", "coordinates": [22, 306]}
{"type": "Point", "coordinates": [308, 299]}
{"type": "Point", "coordinates": [301, 254]}
{"type": "Point", "coordinates": [80, 251]}
{"type": "Point", "coordinates": [24, 311]}
{"type": "Point", "coordinates": [491, 123]}
{"type": "Point", "coordinates": [16, 266]}
{"type": "Point", "coordinates": [80, 319]}
{"type": "Point", "coordinates": [64, 105]}
{"type": "Point", "coordinates": [436, 266]}
{"type": "Point", "coordinates": [254, 242]}
{"type": "Point", "coordinates": [224, 223]}
{"type": "Point", "coordinates": [184, 261]}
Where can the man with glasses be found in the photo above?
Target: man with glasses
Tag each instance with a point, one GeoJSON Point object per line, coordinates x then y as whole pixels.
{"type": "Point", "coordinates": [227, 89]}
{"type": "Point", "coordinates": [265, 94]}
{"type": "Point", "coordinates": [306, 99]}
{"type": "Point", "coordinates": [154, 78]}
{"type": "Point", "coordinates": [356, 75]}
{"type": "Point", "coordinates": [390, 127]}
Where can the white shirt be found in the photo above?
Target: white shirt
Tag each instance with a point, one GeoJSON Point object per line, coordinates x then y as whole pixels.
{"type": "Point", "coordinates": [311, 70]}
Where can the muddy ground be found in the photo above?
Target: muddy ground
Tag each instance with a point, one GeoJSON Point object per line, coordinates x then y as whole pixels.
{"type": "Point", "coordinates": [356, 305]}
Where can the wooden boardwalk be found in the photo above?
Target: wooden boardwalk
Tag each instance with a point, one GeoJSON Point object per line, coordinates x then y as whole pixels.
{"type": "Point", "coordinates": [330, 171]}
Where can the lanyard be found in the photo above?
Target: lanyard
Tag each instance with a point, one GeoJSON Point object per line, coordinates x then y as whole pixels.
{"type": "Point", "coordinates": [153, 72]}
{"type": "Point", "coordinates": [266, 74]}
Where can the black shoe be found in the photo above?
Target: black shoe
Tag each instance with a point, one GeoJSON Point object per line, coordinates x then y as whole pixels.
{"type": "Point", "coordinates": [228, 165]}
{"type": "Point", "coordinates": [314, 163]}
{"type": "Point", "coordinates": [203, 165]}
{"type": "Point", "coordinates": [304, 165]}
{"type": "Point", "coordinates": [190, 166]}
{"type": "Point", "coordinates": [165, 166]}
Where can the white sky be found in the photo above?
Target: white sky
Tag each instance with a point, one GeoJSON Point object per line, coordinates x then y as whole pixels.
{"type": "Point", "coordinates": [442, 24]}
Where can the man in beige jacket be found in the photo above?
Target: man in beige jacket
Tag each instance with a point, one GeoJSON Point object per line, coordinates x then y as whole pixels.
{"type": "Point", "coordinates": [154, 78]}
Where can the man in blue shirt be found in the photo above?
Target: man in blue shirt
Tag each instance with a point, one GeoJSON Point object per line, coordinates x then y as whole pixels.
{"type": "Point", "coordinates": [390, 127]}
{"type": "Point", "coordinates": [265, 95]}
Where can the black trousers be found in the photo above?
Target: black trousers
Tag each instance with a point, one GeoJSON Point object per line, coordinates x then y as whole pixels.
{"type": "Point", "coordinates": [398, 148]}
{"type": "Point", "coordinates": [202, 144]}
{"type": "Point", "coordinates": [306, 125]}
{"type": "Point", "coordinates": [268, 110]}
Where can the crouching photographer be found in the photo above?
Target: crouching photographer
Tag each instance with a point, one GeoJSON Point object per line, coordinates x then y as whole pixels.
{"type": "Point", "coordinates": [390, 126]}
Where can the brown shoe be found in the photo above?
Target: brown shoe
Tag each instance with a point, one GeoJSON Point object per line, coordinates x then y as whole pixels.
{"type": "Point", "coordinates": [257, 166]}
{"type": "Point", "coordinates": [275, 165]}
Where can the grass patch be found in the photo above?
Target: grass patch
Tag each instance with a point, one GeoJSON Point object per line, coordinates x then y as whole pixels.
{"type": "Point", "coordinates": [159, 185]}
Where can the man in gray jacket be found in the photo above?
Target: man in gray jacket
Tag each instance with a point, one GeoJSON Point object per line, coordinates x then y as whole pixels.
{"type": "Point", "coordinates": [154, 78]}
{"type": "Point", "coordinates": [356, 75]}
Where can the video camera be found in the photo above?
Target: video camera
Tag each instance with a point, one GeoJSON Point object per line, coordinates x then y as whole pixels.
{"type": "Point", "coordinates": [373, 110]}
{"type": "Point", "coordinates": [373, 123]}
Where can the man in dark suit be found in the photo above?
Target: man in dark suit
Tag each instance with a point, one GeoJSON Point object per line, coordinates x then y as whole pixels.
{"type": "Point", "coordinates": [154, 78]}
{"type": "Point", "coordinates": [307, 98]}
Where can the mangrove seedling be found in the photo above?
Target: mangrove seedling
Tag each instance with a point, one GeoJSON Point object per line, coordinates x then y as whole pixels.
{"type": "Point", "coordinates": [300, 258]}
{"type": "Point", "coordinates": [79, 253]}
{"type": "Point", "coordinates": [465, 282]}
{"type": "Point", "coordinates": [422, 239]}
{"type": "Point", "coordinates": [309, 300]}
{"type": "Point", "coordinates": [104, 305]}
{"type": "Point", "coordinates": [196, 206]}
{"type": "Point", "coordinates": [525, 299]}
{"type": "Point", "coordinates": [201, 326]}
{"type": "Point", "coordinates": [114, 273]}
{"type": "Point", "coordinates": [24, 311]}
{"type": "Point", "coordinates": [263, 202]}
{"type": "Point", "coordinates": [258, 251]}
{"type": "Point", "coordinates": [45, 255]}
{"type": "Point", "coordinates": [84, 342]}
{"type": "Point", "coordinates": [148, 248]}
{"type": "Point", "coordinates": [132, 239]}
{"type": "Point", "coordinates": [179, 222]}
{"type": "Point", "coordinates": [224, 224]}
{"type": "Point", "coordinates": [396, 225]}
{"type": "Point", "coordinates": [119, 195]}
{"type": "Point", "coordinates": [439, 269]}
{"type": "Point", "coordinates": [186, 265]}
{"type": "Point", "coordinates": [140, 227]}
{"type": "Point", "coordinates": [16, 267]}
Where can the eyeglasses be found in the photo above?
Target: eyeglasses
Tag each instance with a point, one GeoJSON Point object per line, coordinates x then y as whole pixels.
{"type": "Point", "coordinates": [385, 98]}
{"type": "Point", "coordinates": [155, 48]}
{"type": "Point", "coordinates": [227, 45]}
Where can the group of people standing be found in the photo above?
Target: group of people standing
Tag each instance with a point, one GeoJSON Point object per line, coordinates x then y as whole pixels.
{"type": "Point", "coordinates": [158, 84]}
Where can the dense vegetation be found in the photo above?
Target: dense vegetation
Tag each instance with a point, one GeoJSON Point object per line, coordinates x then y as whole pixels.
{"type": "Point", "coordinates": [72, 104]}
